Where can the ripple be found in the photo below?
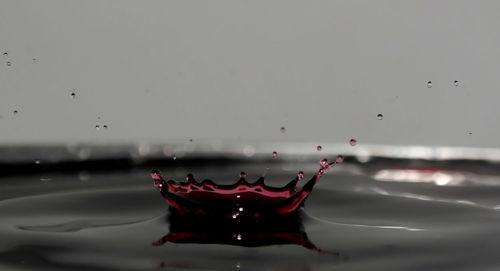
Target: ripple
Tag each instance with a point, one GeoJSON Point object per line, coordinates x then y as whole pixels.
{"type": "Point", "coordinates": [78, 225]}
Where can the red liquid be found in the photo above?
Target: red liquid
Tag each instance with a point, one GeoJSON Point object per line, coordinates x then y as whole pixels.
{"type": "Point", "coordinates": [276, 230]}
{"type": "Point", "coordinates": [241, 199]}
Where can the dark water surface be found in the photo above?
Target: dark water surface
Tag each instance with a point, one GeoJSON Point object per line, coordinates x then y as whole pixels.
{"type": "Point", "coordinates": [378, 216]}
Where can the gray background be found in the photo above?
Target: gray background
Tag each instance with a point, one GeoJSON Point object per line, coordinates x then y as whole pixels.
{"type": "Point", "coordinates": [239, 70]}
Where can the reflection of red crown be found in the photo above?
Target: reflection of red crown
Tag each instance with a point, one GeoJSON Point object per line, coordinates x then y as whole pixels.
{"type": "Point", "coordinates": [239, 199]}
{"type": "Point", "coordinates": [266, 231]}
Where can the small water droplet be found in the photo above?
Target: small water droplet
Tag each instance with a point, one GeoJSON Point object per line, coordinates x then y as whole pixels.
{"type": "Point", "coordinates": [380, 116]}
{"type": "Point", "coordinates": [319, 148]}
{"type": "Point", "coordinates": [174, 157]}
{"type": "Point", "coordinates": [243, 174]}
{"type": "Point", "coordinates": [300, 175]}
{"type": "Point", "coordinates": [189, 176]}
{"type": "Point", "coordinates": [323, 162]}
{"type": "Point", "coordinates": [98, 127]}
{"type": "Point", "coordinates": [240, 209]}
{"type": "Point", "coordinates": [455, 83]}
{"type": "Point", "coordinates": [429, 84]}
{"type": "Point", "coordinates": [37, 162]}
{"type": "Point", "coordinates": [190, 140]}
{"type": "Point", "coordinates": [283, 129]}
{"type": "Point", "coordinates": [470, 133]}
{"type": "Point", "coordinates": [238, 236]}
{"type": "Point", "coordinates": [34, 60]}
{"type": "Point", "coordinates": [9, 63]}
{"type": "Point", "coordinates": [73, 95]}
{"type": "Point", "coordinates": [5, 54]}
{"type": "Point", "coordinates": [238, 196]}
{"type": "Point", "coordinates": [15, 112]}
{"type": "Point", "coordinates": [339, 159]}
{"type": "Point", "coordinates": [275, 154]}
{"type": "Point", "coordinates": [353, 142]}
{"type": "Point", "coordinates": [105, 126]}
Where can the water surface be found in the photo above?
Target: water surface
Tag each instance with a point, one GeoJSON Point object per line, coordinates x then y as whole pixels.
{"type": "Point", "coordinates": [382, 215]}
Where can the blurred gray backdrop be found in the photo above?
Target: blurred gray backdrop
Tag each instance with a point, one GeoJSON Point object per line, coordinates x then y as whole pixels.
{"type": "Point", "coordinates": [239, 70]}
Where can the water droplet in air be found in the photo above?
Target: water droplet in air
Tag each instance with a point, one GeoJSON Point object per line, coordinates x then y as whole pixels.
{"type": "Point", "coordinates": [353, 142]}
{"type": "Point", "coordinates": [73, 95]}
{"type": "Point", "coordinates": [470, 133]}
{"type": "Point", "coordinates": [300, 175]}
{"type": "Point", "coordinates": [37, 162]}
{"type": "Point", "coordinates": [190, 140]}
{"type": "Point", "coordinates": [275, 154]}
{"type": "Point", "coordinates": [15, 112]}
{"type": "Point", "coordinates": [174, 157]}
{"type": "Point", "coordinates": [243, 174]}
{"type": "Point", "coordinates": [98, 127]}
{"type": "Point", "coordinates": [9, 63]}
{"type": "Point", "coordinates": [339, 159]}
{"type": "Point", "coordinates": [282, 129]}
{"type": "Point", "coordinates": [238, 236]}
{"type": "Point", "coordinates": [455, 83]}
{"type": "Point", "coordinates": [429, 84]}
{"type": "Point", "coordinates": [380, 116]}
{"type": "Point", "coordinates": [189, 176]}
{"type": "Point", "coordinates": [34, 60]}
{"type": "Point", "coordinates": [323, 163]}
{"type": "Point", "coordinates": [319, 148]}
{"type": "Point", "coordinates": [6, 54]}
{"type": "Point", "coordinates": [105, 126]}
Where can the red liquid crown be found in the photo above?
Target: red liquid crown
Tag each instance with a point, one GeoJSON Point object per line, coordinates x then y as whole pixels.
{"type": "Point", "coordinates": [238, 200]}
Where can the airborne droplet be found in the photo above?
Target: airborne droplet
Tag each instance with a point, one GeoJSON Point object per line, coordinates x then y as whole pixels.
{"type": "Point", "coordinates": [429, 84]}
{"type": "Point", "coordinates": [98, 127]}
{"type": "Point", "coordinates": [73, 95]}
{"type": "Point", "coordinates": [380, 116]}
{"type": "Point", "coordinates": [323, 163]}
{"type": "Point", "coordinates": [15, 112]}
{"type": "Point", "coordinates": [353, 142]}
{"type": "Point", "coordinates": [455, 83]}
{"type": "Point", "coordinates": [282, 129]}
{"type": "Point", "coordinates": [300, 175]}
{"type": "Point", "coordinates": [319, 148]}
{"type": "Point", "coordinates": [9, 63]}
{"type": "Point", "coordinates": [339, 159]}
{"type": "Point", "coordinates": [275, 154]}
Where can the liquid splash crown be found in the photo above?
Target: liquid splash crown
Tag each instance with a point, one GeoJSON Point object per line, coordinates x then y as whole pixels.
{"type": "Point", "coordinates": [242, 199]}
